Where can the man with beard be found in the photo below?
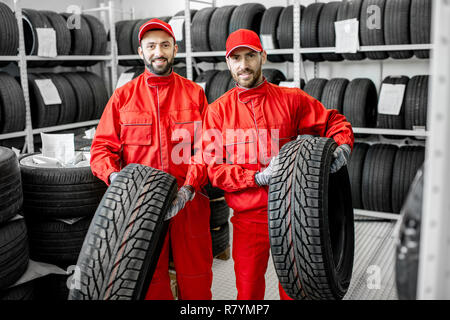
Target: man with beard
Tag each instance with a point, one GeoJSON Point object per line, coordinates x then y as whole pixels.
{"type": "Point", "coordinates": [255, 119]}
{"type": "Point", "coordinates": [151, 121]}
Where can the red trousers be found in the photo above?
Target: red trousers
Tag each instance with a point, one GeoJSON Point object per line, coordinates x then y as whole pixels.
{"type": "Point", "coordinates": [190, 238]}
{"type": "Point", "coordinates": [250, 252]}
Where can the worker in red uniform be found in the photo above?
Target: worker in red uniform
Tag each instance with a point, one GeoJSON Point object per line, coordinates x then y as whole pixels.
{"type": "Point", "coordinates": [151, 121]}
{"type": "Point", "coordinates": [242, 133]}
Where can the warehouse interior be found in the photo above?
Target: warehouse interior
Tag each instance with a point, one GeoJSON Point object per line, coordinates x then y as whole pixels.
{"type": "Point", "coordinates": [396, 169]}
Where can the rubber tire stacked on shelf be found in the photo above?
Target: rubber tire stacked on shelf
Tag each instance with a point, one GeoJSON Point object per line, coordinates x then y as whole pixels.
{"type": "Point", "coordinates": [200, 33]}
{"type": "Point", "coordinates": [407, 250]}
{"type": "Point", "coordinates": [408, 161]}
{"type": "Point", "coordinates": [397, 27]}
{"type": "Point", "coordinates": [351, 10]}
{"type": "Point", "coordinates": [63, 39]}
{"type": "Point", "coordinates": [333, 94]}
{"type": "Point", "coordinates": [360, 103]}
{"type": "Point", "coordinates": [206, 77]}
{"type": "Point", "coordinates": [82, 41]}
{"type": "Point", "coordinates": [373, 36]}
{"type": "Point", "coordinates": [219, 33]}
{"type": "Point", "coordinates": [34, 19]}
{"type": "Point", "coordinates": [315, 87]}
{"type": "Point", "coordinates": [124, 38]}
{"type": "Point", "coordinates": [355, 172]}
{"type": "Point", "coordinates": [182, 43]}
{"type": "Point", "coordinates": [285, 31]}
{"type": "Point", "coordinates": [84, 96]}
{"type": "Point", "coordinates": [309, 30]}
{"type": "Point", "coordinates": [12, 105]}
{"type": "Point", "coordinates": [269, 25]}
{"type": "Point", "coordinates": [311, 221]}
{"type": "Point", "coordinates": [420, 25]}
{"type": "Point", "coordinates": [416, 102]}
{"type": "Point", "coordinates": [219, 85]}
{"type": "Point", "coordinates": [326, 33]}
{"type": "Point", "coordinates": [9, 37]}
{"type": "Point", "coordinates": [99, 92]}
{"type": "Point", "coordinates": [128, 229]}
{"type": "Point", "coordinates": [274, 76]}
{"type": "Point", "coordinates": [99, 36]}
{"type": "Point", "coordinates": [377, 178]}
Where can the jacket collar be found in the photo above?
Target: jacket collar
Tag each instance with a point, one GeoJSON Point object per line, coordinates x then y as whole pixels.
{"type": "Point", "coordinates": [245, 95]}
{"type": "Point", "coordinates": [154, 80]}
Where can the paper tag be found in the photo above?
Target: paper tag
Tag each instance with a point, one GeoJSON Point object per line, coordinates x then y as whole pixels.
{"type": "Point", "coordinates": [47, 42]}
{"type": "Point", "coordinates": [89, 134]}
{"type": "Point", "coordinates": [267, 42]}
{"type": "Point", "coordinates": [70, 221]}
{"type": "Point", "coordinates": [347, 36]}
{"type": "Point", "coordinates": [124, 78]}
{"type": "Point", "coordinates": [58, 146]}
{"type": "Point", "coordinates": [289, 84]}
{"type": "Point", "coordinates": [177, 27]}
{"type": "Point", "coordinates": [391, 99]}
{"type": "Point", "coordinates": [38, 270]}
{"type": "Point", "coordinates": [48, 91]}
{"type": "Point", "coordinates": [16, 217]}
{"type": "Point", "coordinates": [202, 84]}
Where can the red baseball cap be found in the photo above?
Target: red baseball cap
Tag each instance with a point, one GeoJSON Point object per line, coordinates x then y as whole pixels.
{"type": "Point", "coordinates": [155, 24]}
{"type": "Point", "coordinates": [243, 38]}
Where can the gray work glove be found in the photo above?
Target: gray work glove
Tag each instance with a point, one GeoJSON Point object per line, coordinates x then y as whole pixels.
{"type": "Point", "coordinates": [183, 196]}
{"type": "Point", "coordinates": [341, 156]}
{"type": "Point", "coordinates": [263, 178]}
{"type": "Point", "coordinates": [304, 136]}
{"type": "Point", "coordinates": [113, 176]}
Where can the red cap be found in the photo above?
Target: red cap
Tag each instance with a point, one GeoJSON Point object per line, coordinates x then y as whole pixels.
{"type": "Point", "coordinates": [243, 38]}
{"type": "Point", "coordinates": [155, 24]}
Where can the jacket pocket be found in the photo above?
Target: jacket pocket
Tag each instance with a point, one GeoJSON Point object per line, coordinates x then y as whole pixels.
{"type": "Point", "coordinates": [183, 132]}
{"type": "Point", "coordinates": [135, 129]}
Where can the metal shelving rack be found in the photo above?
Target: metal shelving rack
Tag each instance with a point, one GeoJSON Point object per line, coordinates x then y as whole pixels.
{"type": "Point", "coordinates": [22, 59]}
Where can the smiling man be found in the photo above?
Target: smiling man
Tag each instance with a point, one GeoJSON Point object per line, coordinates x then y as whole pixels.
{"type": "Point", "coordinates": [261, 118]}
{"type": "Point", "coordinates": [144, 122]}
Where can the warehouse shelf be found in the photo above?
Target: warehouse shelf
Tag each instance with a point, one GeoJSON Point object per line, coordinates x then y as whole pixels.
{"type": "Point", "coordinates": [67, 126]}
{"type": "Point", "coordinates": [9, 58]}
{"type": "Point", "coordinates": [69, 58]}
{"type": "Point", "coordinates": [376, 214]}
{"type": "Point", "coordinates": [5, 136]}
{"type": "Point", "coordinates": [393, 132]}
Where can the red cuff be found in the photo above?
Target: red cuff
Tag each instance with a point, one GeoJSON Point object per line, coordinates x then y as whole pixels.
{"type": "Point", "coordinates": [249, 178]}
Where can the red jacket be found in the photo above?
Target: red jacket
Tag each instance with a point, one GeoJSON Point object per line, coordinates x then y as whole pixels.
{"type": "Point", "coordinates": [151, 121]}
{"type": "Point", "coordinates": [269, 116]}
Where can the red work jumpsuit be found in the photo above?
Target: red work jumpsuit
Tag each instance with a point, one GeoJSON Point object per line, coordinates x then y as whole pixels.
{"type": "Point", "coordinates": [151, 121]}
{"type": "Point", "coordinates": [253, 124]}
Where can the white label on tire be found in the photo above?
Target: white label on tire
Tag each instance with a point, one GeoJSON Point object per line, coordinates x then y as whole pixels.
{"type": "Point", "coordinates": [47, 42]}
{"type": "Point", "coordinates": [391, 99]}
{"type": "Point", "coordinates": [177, 27]}
{"type": "Point", "coordinates": [347, 36]}
{"type": "Point", "coordinates": [48, 91]}
{"type": "Point", "coordinates": [202, 84]}
{"type": "Point", "coordinates": [289, 84]}
{"type": "Point", "coordinates": [267, 42]}
{"type": "Point", "coordinates": [124, 78]}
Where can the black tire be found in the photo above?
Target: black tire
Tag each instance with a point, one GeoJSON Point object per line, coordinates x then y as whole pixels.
{"type": "Point", "coordinates": [182, 43]}
{"type": "Point", "coordinates": [220, 238]}
{"type": "Point", "coordinates": [269, 25]}
{"type": "Point", "coordinates": [351, 10]}
{"type": "Point", "coordinates": [11, 196]}
{"type": "Point", "coordinates": [327, 34]}
{"type": "Point", "coordinates": [220, 212]}
{"type": "Point", "coordinates": [200, 33]}
{"type": "Point", "coordinates": [82, 41]}
{"type": "Point", "coordinates": [219, 34]}
{"type": "Point", "coordinates": [13, 252]}
{"type": "Point", "coordinates": [135, 34]}
{"type": "Point", "coordinates": [99, 92]}
{"type": "Point", "coordinates": [59, 193]}
{"type": "Point", "coordinates": [206, 77]}
{"type": "Point", "coordinates": [9, 37]}
{"type": "Point", "coordinates": [311, 222]}
{"type": "Point", "coordinates": [33, 19]}
{"type": "Point", "coordinates": [408, 161]}
{"type": "Point", "coordinates": [420, 25]}
{"type": "Point", "coordinates": [309, 30]}
{"type": "Point", "coordinates": [68, 111]}
{"type": "Point", "coordinates": [285, 30]}
{"type": "Point", "coordinates": [12, 105]}
{"type": "Point", "coordinates": [373, 36]}
{"type": "Point", "coordinates": [183, 72]}
{"type": "Point", "coordinates": [128, 229]}
{"type": "Point", "coordinates": [393, 121]}
{"type": "Point", "coordinates": [124, 36]}
{"type": "Point", "coordinates": [219, 85]}
{"type": "Point", "coordinates": [21, 292]}
{"type": "Point", "coordinates": [56, 242]}
{"type": "Point", "coordinates": [274, 76]}
{"type": "Point", "coordinates": [355, 172]}
{"type": "Point", "coordinates": [213, 192]}
{"type": "Point", "coordinates": [407, 251]}
{"type": "Point", "coordinates": [42, 115]}
{"type": "Point", "coordinates": [63, 39]}
{"type": "Point", "coordinates": [377, 178]}
{"type": "Point", "coordinates": [84, 97]}
{"type": "Point", "coordinates": [397, 25]}
{"type": "Point", "coordinates": [333, 94]}
{"type": "Point", "coordinates": [314, 87]}
{"type": "Point", "coordinates": [247, 16]}
{"type": "Point", "coordinates": [99, 36]}
{"type": "Point", "coordinates": [416, 102]}
{"type": "Point", "coordinates": [52, 287]}
{"type": "Point", "coordinates": [360, 103]}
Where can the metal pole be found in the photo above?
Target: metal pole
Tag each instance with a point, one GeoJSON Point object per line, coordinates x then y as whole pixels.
{"type": "Point", "coordinates": [112, 35]}
{"type": "Point", "coordinates": [297, 55]}
{"type": "Point", "coordinates": [24, 78]}
{"type": "Point", "coordinates": [434, 262]}
{"type": "Point", "coordinates": [187, 33]}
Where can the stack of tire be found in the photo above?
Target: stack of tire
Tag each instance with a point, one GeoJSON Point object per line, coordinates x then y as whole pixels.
{"type": "Point", "coordinates": [14, 253]}
{"type": "Point", "coordinates": [75, 35]}
{"type": "Point", "coordinates": [12, 105]}
{"type": "Point", "coordinates": [58, 205]}
{"type": "Point", "coordinates": [220, 213]}
{"type": "Point", "coordinates": [381, 175]}
{"type": "Point", "coordinates": [83, 98]}
{"type": "Point", "coordinates": [9, 37]}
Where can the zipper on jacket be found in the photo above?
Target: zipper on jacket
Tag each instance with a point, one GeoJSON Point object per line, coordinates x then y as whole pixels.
{"type": "Point", "coordinates": [257, 136]}
{"type": "Point", "coordinates": [159, 129]}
